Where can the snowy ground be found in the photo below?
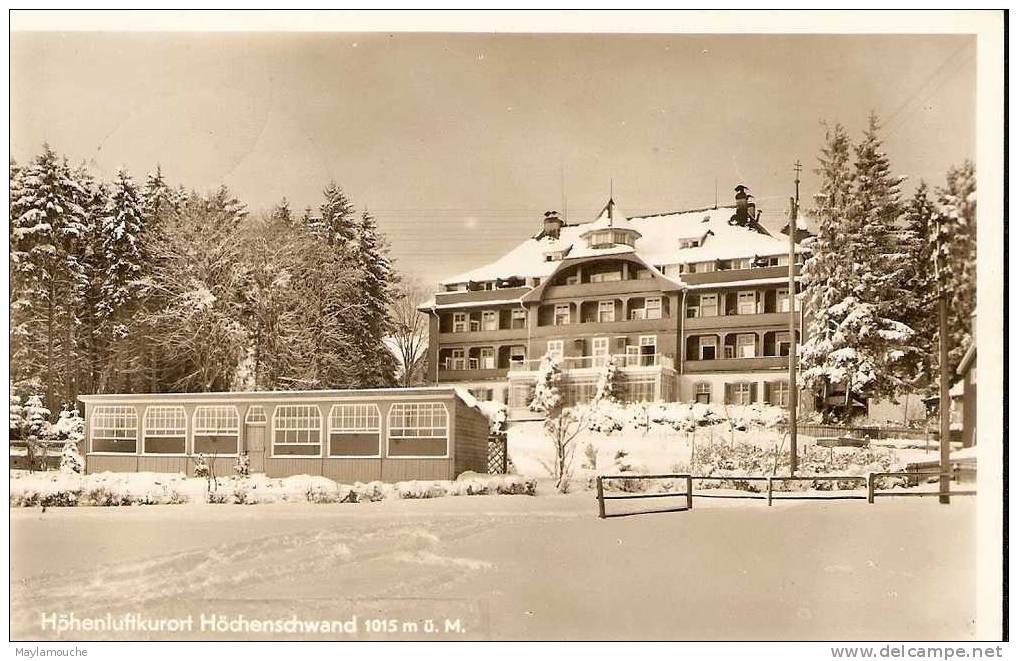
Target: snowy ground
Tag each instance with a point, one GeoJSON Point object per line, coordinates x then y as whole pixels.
{"type": "Point", "coordinates": [511, 567]}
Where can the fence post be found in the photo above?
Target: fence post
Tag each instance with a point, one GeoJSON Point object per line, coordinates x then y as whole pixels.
{"type": "Point", "coordinates": [689, 492]}
{"type": "Point", "coordinates": [600, 497]}
{"type": "Point", "coordinates": [869, 488]}
{"type": "Point", "coordinates": [770, 490]}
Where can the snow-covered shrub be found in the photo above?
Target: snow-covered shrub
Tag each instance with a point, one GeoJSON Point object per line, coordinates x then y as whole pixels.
{"type": "Point", "coordinates": [419, 489]}
{"type": "Point", "coordinates": [242, 466]}
{"type": "Point", "coordinates": [70, 459]}
{"type": "Point", "coordinates": [201, 467]}
{"type": "Point", "coordinates": [607, 382]}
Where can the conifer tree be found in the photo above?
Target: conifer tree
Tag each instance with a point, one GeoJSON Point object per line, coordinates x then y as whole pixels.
{"type": "Point", "coordinates": [48, 230]}
{"type": "Point", "coordinates": [955, 253]}
{"type": "Point", "coordinates": [377, 283]}
{"type": "Point", "coordinates": [337, 223]}
{"type": "Point", "coordinates": [918, 303]}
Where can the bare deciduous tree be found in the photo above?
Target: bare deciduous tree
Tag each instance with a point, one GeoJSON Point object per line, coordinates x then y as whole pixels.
{"type": "Point", "coordinates": [410, 332]}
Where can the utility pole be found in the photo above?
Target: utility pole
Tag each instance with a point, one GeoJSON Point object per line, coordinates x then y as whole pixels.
{"type": "Point", "coordinates": [793, 390]}
{"type": "Point", "coordinates": [945, 377]}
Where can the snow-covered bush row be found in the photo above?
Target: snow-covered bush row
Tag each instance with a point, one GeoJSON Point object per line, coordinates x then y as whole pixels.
{"type": "Point", "coordinates": [723, 459]}
{"type": "Point", "coordinates": [608, 416]}
{"type": "Point", "coordinates": [117, 489]}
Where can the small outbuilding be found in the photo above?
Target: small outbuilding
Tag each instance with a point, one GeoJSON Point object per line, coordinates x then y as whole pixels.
{"type": "Point", "coordinates": [346, 435]}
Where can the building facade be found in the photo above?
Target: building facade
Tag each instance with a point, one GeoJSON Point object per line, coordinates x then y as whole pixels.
{"type": "Point", "coordinates": [690, 306]}
{"type": "Point", "coordinates": [346, 435]}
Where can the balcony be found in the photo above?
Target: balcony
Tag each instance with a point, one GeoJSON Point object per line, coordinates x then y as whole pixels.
{"type": "Point", "coordinates": [454, 297]}
{"type": "Point", "coordinates": [736, 364]}
{"type": "Point", "coordinates": [626, 362]}
{"type": "Point", "coordinates": [483, 336]}
{"type": "Point", "coordinates": [559, 292]}
{"type": "Point", "coordinates": [765, 319]}
{"type": "Point", "coordinates": [736, 276]}
{"type": "Point", "coordinates": [606, 327]}
{"type": "Point", "coordinates": [471, 375]}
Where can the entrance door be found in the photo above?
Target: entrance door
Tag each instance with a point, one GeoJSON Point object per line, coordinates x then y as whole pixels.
{"type": "Point", "coordinates": [256, 447]}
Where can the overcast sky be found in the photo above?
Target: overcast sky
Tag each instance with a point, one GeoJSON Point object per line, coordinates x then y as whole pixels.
{"type": "Point", "coordinates": [459, 143]}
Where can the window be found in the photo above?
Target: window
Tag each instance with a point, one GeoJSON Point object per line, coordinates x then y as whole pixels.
{"type": "Point", "coordinates": [489, 320]}
{"type": "Point", "coordinates": [555, 349]}
{"type": "Point", "coordinates": [632, 355]}
{"type": "Point", "coordinates": [783, 343]}
{"type": "Point", "coordinates": [517, 354]}
{"type": "Point", "coordinates": [216, 430]}
{"type": "Point", "coordinates": [475, 325]}
{"type": "Point", "coordinates": [708, 347]}
{"type": "Point", "coordinates": [706, 267]}
{"type": "Point", "coordinates": [701, 393]}
{"type": "Point", "coordinates": [419, 429]}
{"type": "Point", "coordinates": [743, 263]}
{"type": "Point", "coordinates": [297, 430]}
{"type": "Point", "coordinates": [487, 358]}
{"type": "Point", "coordinates": [653, 308]}
{"type": "Point", "coordinates": [605, 311]}
{"type": "Point", "coordinates": [729, 351]}
{"type": "Point", "coordinates": [562, 314]}
{"type": "Point", "coordinates": [115, 429]}
{"type": "Point", "coordinates": [648, 350]}
{"type": "Point", "coordinates": [780, 393]}
{"type": "Point", "coordinates": [742, 393]}
{"type": "Point", "coordinates": [459, 322]}
{"type": "Point", "coordinates": [747, 302]}
{"type": "Point", "coordinates": [457, 359]}
{"type": "Point", "coordinates": [600, 351]}
{"type": "Point", "coordinates": [784, 303]}
{"type": "Point", "coordinates": [355, 430]}
{"type": "Point", "coordinates": [519, 318]}
{"type": "Point", "coordinates": [165, 430]}
{"type": "Point", "coordinates": [746, 343]}
{"type": "Point", "coordinates": [688, 243]}
{"type": "Point", "coordinates": [607, 276]}
{"type": "Point", "coordinates": [255, 415]}
{"type": "Point", "coordinates": [708, 305]}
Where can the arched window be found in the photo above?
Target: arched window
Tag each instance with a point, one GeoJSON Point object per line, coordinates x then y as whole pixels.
{"type": "Point", "coordinates": [216, 430]}
{"type": "Point", "coordinates": [418, 429]}
{"type": "Point", "coordinates": [165, 430]}
{"type": "Point", "coordinates": [355, 430]}
{"type": "Point", "coordinates": [114, 429]}
{"type": "Point", "coordinates": [297, 430]}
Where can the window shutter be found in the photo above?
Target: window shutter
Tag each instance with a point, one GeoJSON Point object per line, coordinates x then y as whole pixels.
{"type": "Point", "coordinates": [753, 392]}
{"type": "Point", "coordinates": [728, 393]}
{"type": "Point", "coordinates": [767, 393]}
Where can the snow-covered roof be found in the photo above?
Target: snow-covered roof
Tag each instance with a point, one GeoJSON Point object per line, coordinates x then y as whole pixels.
{"type": "Point", "coordinates": [658, 244]}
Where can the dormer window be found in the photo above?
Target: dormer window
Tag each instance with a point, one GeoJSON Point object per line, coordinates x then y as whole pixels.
{"type": "Point", "coordinates": [689, 243]}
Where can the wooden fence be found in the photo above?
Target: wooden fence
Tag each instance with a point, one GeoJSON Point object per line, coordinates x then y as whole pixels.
{"type": "Point", "coordinates": [770, 495]}
{"type": "Point", "coordinates": [45, 455]}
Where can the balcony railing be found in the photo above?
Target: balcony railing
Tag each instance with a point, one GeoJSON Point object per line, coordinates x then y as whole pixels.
{"type": "Point", "coordinates": [596, 362]}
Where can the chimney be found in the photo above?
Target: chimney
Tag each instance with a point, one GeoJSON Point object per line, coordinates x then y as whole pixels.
{"type": "Point", "coordinates": [552, 224]}
{"type": "Point", "coordinates": [745, 211]}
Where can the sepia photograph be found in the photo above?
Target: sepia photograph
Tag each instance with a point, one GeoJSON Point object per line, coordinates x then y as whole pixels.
{"type": "Point", "coordinates": [508, 326]}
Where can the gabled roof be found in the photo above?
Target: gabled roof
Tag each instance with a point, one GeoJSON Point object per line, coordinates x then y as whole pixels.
{"type": "Point", "coordinates": [658, 244]}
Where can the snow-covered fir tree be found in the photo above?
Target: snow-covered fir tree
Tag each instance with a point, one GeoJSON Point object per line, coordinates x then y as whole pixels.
{"type": "Point", "coordinates": [855, 276]}
{"type": "Point", "coordinates": [377, 285]}
{"type": "Point", "coordinates": [282, 213]}
{"type": "Point", "coordinates": [547, 388]}
{"type": "Point", "coordinates": [242, 466]}
{"type": "Point", "coordinates": [918, 302]}
{"type": "Point", "coordinates": [159, 198]}
{"type": "Point", "coordinates": [955, 256]}
{"type": "Point", "coordinates": [49, 227]}
{"type": "Point", "coordinates": [337, 222]}
{"type": "Point", "coordinates": [123, 229]}
{"type": "Point", "coordinates": [608, 382]}
{"type": "Point", "coordinates": [37, 427]}
{"type": "Point", "coordinates": [71, 460]}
